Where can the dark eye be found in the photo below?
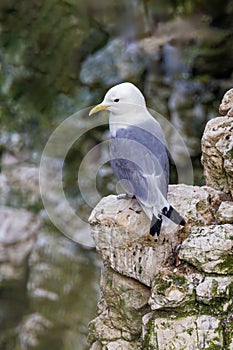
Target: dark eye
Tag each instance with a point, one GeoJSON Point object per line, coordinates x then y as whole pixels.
{"type": "Point", "coordinates": [116, 100]}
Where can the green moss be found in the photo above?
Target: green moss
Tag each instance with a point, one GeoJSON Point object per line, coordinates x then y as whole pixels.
{"type": "Point", "coordinates": [226, 265]}
{"type": "Point", "coordinates": [214, 287]}
{"type": "Point", "coordinates": [179, 280]}
{"type": "Point", "coordinates": [228, 332]}
{"type": "Point", "coordinates": [162, 285]}
{"type": "Point", "coordinates": [147, 340]}
{"type": "Point", "coordinates": [109, 282]}
{"type": "Point", "coordinates": [230, 153]}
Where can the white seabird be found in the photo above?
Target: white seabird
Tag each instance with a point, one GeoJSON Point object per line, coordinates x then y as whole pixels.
{"type": "Point", "coordinates": [138, 153]}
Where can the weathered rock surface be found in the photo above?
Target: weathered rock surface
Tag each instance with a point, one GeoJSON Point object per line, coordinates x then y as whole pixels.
{"type": "Point", "coordinates": [60, 273]}
{"type": "Point", "coordinates": [202, 282]}
{"type": "Point", "coordinates": [140, 280]}
{"type": "Point", "coordinates": [115, 51]}
{"type": "Point", "coordinates": [216, 290]}
{"type": "Point", "coordinates": [120, 229]}
{"type": "Point", "coordinates": [120, 312]}
{"type": "Point", "coordinates": [224, 214]}
{"type": "Point", "coordinates": [199, 205]}
{"type": "Point", "coordinates": [210, 249]}
{"type": "Point", "coordinates": [226, 106]}
{"type": "Point", "coordinates": [217, 154]}
{"type": "Point", "coordinates": [186, 332]}
{"type": "Point", "coordinates": [174, 292]}
{"type": "Point", "coordinates": [174, 288]}
{"type": "Point", "coordinates": [18, 232]}
{"type": "Point", "coordinates": [22, 178]}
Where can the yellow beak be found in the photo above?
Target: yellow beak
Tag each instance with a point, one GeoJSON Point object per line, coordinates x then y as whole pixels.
{"type": "Point", "coordinates": [98, 108]}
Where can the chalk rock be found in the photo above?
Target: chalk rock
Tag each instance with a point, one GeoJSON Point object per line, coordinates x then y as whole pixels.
{"type": "Point", "coordinates": [229, 332]}
{"type": "Point", "coordinates": [188, 332]}
{"type": "Point", "coordinates": [122, 344]}
{"type": "Point", "coordinates": [96, 346]}
{"type": "Point", "coordinates": [171, 289]}
{"type": "Point", "coordinates": [198, 205]}
{"type": "Point", "coordinates": [224, 214]}
{"type": "Point", "coordinates": [105, 335]}
{"type": "Point", "coordinates": [120, 311]}
{"type": "Point", "coordinates": [102, 328]}
{"type": "Point", "coordinates": [226, 106]}
{"type": "Point", "coordinates": [121, 232]}
{"type": "Point", "coordinates": [127, 296]}
{"type": "Point", "coordinates": [21, 178]}
{"type": "Point", "coordinates": [29, 329]}
{"type": "Point", "coordinates": [103, 66]}
{"type": "Point", "coordinates": [209, 248]}
{"type": "Point", "coordinates": [18, 232]}
{"type": "Point", "coordinates": [215, 289]}
{"type": "Point", "coordinates": [217, 154]}
{"type": "Point", "coordinates": [4, 189]}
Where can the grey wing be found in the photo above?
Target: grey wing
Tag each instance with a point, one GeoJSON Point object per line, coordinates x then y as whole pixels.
{"type": "Point", "coordinates": [131, 177]}
{"type": "Point", "coordinates": [139, 157]}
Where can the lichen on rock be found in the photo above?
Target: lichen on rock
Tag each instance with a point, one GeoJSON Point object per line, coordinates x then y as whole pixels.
{"type": "Point", "coordinates": [217, 154]}
{"type": "Point", "coordinates": [120, 230]}
{"type": "Point", "coordinates": [187, 332]}
{"type": "Point", "coordinates": [226, 106]}
{"type": "Point", "coordinates": [174, 292]}
{"type": "Point", "coordinates": [210, 249]}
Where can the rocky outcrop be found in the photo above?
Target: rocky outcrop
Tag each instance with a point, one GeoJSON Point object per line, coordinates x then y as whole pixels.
{"type": "Point", "coordinates": [226, 106]}
{"type": "Point", "coordinates": [17, 237]}
{"type": "Point", "coordinates": [142, 278]}
{"type": "Point", "coordinates": [120, 229]}
{"type": "Point", "coordinates": [217, 153]}
{"type": "Point", "coordinates": [217, 148]}
{"type": "Point", "coordinates": [174, 292]}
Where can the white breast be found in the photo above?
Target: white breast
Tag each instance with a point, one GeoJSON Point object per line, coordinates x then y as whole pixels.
{"type": "Point", "coordinates": [123, 121]}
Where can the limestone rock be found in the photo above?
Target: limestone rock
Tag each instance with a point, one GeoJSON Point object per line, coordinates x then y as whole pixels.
{"type": "Point", "coordinates": [197, 204]}
{"type": "Point", "coordinates": [4, 189]}
{"type": "Point", "coordinates": [18, 232]}
{"type": "Point", "coordinates": [101, 328]}
{"type": "Point", "coordinates": [209, 248]}
{"type": "Point", "coordinates": [29, 329]}
{"type": "Point", "coordinates": [224, 214]}
{"type": "Point", "coordinates": [226, 106]}
{"type": "Point", "coordinates": [127, 296]}
{"type": "Point", "coordinates": [105, 335]}
{"type": "Point", "coordinates": [171, 289]}
{"type": "Point", "coordinates": [60, 272]}
{"type": "Point", "coordinates": [215, 289]}
{"type": "Point", "coordinates": [217, 154]}
{"type": "Point", "coordinates": [122, 344]}
{"type": "Point", "coordinates": [120, 230]}
{"type": "Point", "coordinates": [184, 307]}
{"type": "Point", "coordinates": [187, 332]}
{"type": "Point", "coordinates": [229, 332]}
{"type": "Point", "coordinates": [115, 51]}
{"type": "Point", "coordinates": [120, 312]}
{"type": "Point", "coordinates": [21, 178]}
{"type": "Point", "coordinates": [96, 346]}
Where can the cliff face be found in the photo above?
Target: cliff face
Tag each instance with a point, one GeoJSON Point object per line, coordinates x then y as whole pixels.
{"type": "Point", "coordinates": [175, 292]}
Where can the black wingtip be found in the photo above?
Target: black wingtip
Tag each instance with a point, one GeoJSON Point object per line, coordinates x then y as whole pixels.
{"type": "Point", "coordinates": [183, 222]}
{"type": "Point", "coordinates": [173, 215]}
{"type": "Point", "coordinates": [155, 226]}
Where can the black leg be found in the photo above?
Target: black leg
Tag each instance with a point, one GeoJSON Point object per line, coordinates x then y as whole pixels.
{"type": "Point", "coordinates": [156, 224]}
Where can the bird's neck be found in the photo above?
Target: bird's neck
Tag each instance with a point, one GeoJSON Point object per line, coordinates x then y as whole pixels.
{"type": "Point", "coordinates": [122, 121]}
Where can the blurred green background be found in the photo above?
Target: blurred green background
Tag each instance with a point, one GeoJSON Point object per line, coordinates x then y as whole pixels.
{"type": "Point", "coordinates": [56, 58]}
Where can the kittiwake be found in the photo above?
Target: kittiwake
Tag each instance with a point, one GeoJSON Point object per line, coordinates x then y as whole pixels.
{"type": "Point", "coordinates": [138, 153]}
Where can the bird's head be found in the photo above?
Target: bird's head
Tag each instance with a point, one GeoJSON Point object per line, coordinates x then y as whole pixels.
{"type": "Point", "coordinates": [121, 98]}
